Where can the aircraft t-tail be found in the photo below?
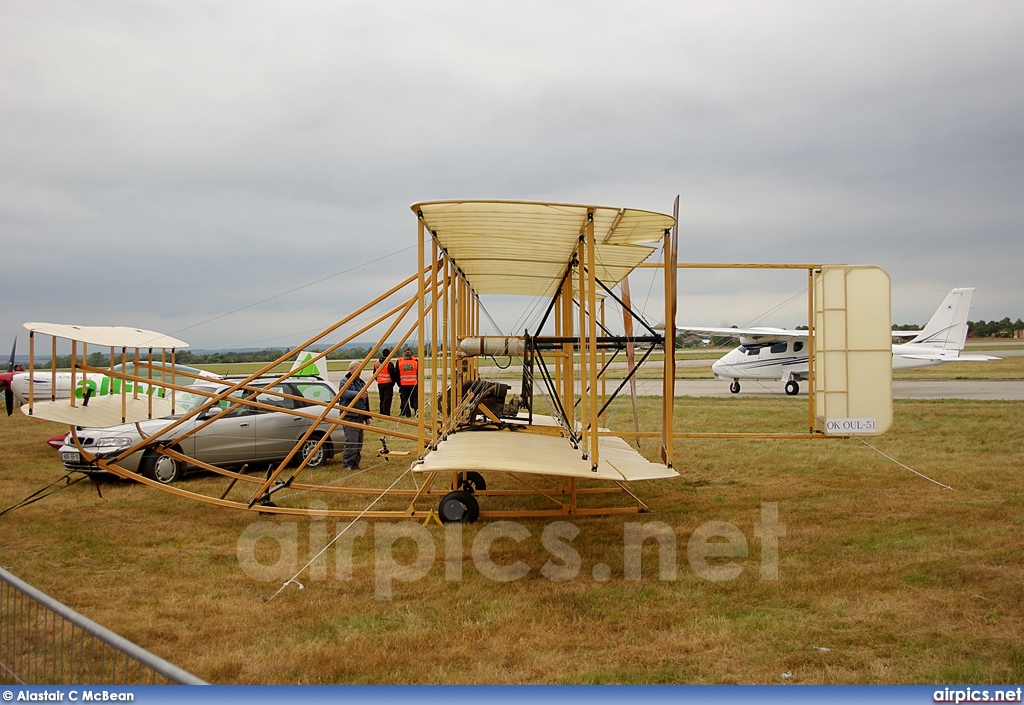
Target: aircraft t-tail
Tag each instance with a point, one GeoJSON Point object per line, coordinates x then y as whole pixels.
{"type": "Point", "coordinates": [780, 354]}
{"type": "Point", "coordinates": [537, 445]}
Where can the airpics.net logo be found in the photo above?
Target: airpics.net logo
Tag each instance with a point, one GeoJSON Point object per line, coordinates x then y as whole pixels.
{"type": "Point", "coordinates": [407, 551]}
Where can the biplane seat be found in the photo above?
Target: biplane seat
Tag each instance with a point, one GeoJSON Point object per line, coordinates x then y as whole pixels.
{"type": "Point", "coordinates": [489, 394]}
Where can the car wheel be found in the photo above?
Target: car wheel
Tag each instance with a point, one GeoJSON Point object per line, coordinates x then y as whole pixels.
{"type": "Point", "coordinates": [313, 458]}
{"type": "Point", "coordinates": [471, 482]}
{"type": "Point", "coordinates": [458, 507]}
{"type": "Point", "coordinates": [161, 468]}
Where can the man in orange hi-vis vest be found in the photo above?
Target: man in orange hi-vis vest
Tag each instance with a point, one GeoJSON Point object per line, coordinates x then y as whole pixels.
{"type": "Point", "coordinates": [387, 377]}
{"type": "Point", "coordinates": [408, 378]}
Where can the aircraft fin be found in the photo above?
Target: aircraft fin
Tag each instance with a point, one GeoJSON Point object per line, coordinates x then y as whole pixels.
{"type": "Point", "coordinates": [947, 328]}
{"type": "Point", "coordinates": [307, 367]}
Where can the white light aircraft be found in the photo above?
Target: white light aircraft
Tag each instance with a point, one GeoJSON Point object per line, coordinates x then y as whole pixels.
{"type": "Point", "coordinates": [781, 354]}
{"type": "Point", "coordinates": [57, 385]}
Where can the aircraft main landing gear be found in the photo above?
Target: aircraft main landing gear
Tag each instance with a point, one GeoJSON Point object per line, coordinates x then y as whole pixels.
{"type": "Point", "coordinates": [792, 388]}
{"type": "Point", "coordinates": [458, 507]}
{"type": "Point", "coordinates": [470, 482]}
{"type": "Point", "coordinates": [735, 386]}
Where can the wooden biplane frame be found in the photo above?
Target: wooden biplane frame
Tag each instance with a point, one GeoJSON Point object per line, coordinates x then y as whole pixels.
{"type": "Point", "coordinates": [572, 257]}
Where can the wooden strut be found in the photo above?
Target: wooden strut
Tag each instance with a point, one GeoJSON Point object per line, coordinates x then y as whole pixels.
{"type": "Point", "coordinates": [323, 419]}
{"type": "Point", "coordinates": [407, 513]}
{"type": "Point", "coordinates": [244, 383]}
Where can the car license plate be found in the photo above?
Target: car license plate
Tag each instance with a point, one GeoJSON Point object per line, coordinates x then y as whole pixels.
{"type": "Point", "coordinates": [69, 457]}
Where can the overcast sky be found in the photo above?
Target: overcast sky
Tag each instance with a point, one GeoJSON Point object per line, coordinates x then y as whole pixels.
{"type": "Point", "coordinates": [165, 163]}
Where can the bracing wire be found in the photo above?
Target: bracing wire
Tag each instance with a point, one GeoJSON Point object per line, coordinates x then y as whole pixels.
{"type": "Point", "coordinates": [43, 494]}
{"type": "Point", "coordinates": [945, 487]}
{"type": "Point", "coordinates": [775, 308]}
{"type": "Point", "coordinates": [292, 291]}
{"type": "Point", "coordinates": [487, 313]}
{"type": "Point", "coordinates": [330, 543]}
{"type": "Point", "coordinates": [650, 289]}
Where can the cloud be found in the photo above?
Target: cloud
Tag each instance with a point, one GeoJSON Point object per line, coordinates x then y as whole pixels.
{"type": "Point", "coordinates": [162, 164]}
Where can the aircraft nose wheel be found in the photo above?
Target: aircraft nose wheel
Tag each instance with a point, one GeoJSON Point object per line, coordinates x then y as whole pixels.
{"type": "Point", "coordinates": [458, 507]}
{"type": "Point", "coordinates": [735, 386]}
{"type": "Point", "coordinates": [792, 388]}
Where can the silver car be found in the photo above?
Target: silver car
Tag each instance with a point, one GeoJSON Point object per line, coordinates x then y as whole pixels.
{"type": "Point", "coordinates": [244, 435]}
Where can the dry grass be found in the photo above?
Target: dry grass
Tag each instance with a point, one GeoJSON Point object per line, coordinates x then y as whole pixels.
{"type": "Point", "coordinates": [903, 581]}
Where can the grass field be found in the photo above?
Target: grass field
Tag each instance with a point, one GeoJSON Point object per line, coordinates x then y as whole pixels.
{"type": "Point", "coordinates": [902, 581]}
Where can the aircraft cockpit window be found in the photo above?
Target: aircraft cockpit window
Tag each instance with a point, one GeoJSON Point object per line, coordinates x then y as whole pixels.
{"type": "Point", "coordinates": [751, 348]}
{"type": "Point", "coordinates": [798, 346]}
{"type": "Point", "coordinates": [779, 347]}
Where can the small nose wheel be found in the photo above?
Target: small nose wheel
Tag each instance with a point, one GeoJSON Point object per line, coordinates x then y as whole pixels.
{"type": "Point", "coordinates": [735, 386]}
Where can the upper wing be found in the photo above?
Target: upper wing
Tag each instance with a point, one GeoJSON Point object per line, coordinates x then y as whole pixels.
{"type": "Point", "coordinates": [108, 336]}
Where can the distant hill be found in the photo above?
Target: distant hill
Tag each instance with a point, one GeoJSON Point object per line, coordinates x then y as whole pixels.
{"type": "Point", "coordinates": [203, 356]}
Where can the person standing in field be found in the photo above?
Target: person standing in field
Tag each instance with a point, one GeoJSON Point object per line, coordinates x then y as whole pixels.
{"type": "Point", "coordinates": [352, 453]}
{"type": "Point", "coordinates": [408, 378]}
{"type": "Point", "coordinates": [387, 377]}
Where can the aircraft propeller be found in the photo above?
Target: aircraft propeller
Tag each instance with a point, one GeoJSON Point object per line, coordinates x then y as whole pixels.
{"type": "Point", "coordinates": [6, 377]}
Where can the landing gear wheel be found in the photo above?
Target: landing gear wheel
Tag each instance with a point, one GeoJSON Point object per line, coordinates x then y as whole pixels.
{"type": "Point", "coordinates": [792, 388]}
{"type": "Point", "coordinates": [458, 507]}
{"type": "Point", "coordinates": [317, 457]}
{"type": "Point", "coordinates": [471, 482]}
{"type": "Point", "coordinates": [160, 468]}
{"type": "Point", "coordinates": [735, 386]}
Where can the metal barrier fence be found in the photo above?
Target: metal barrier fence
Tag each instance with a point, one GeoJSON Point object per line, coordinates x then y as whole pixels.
{"type": "Point", "coordinates": [45, 642]}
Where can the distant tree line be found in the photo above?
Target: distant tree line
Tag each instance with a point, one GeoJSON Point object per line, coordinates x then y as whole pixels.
{"type": "Point", "coordinates": [187, 357]}
{"type": "Point", "coordinates": [994, 329]}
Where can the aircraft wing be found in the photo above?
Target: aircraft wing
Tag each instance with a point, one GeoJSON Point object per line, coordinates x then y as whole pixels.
{"type": "Point", "coordinates": [524, 248]}
{"type": "Point", "coordinates": [751, 334]}
{"type": "Point", "coordinates": [527, 453]}
{"type": "Point", "coordinates": [108, 336]}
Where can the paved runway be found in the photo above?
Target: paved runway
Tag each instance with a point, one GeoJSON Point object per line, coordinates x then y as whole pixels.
{"type": "Point", "coordinates": [1008, 390]}
{"type": "Point", "coordinates": [1011, 390]}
